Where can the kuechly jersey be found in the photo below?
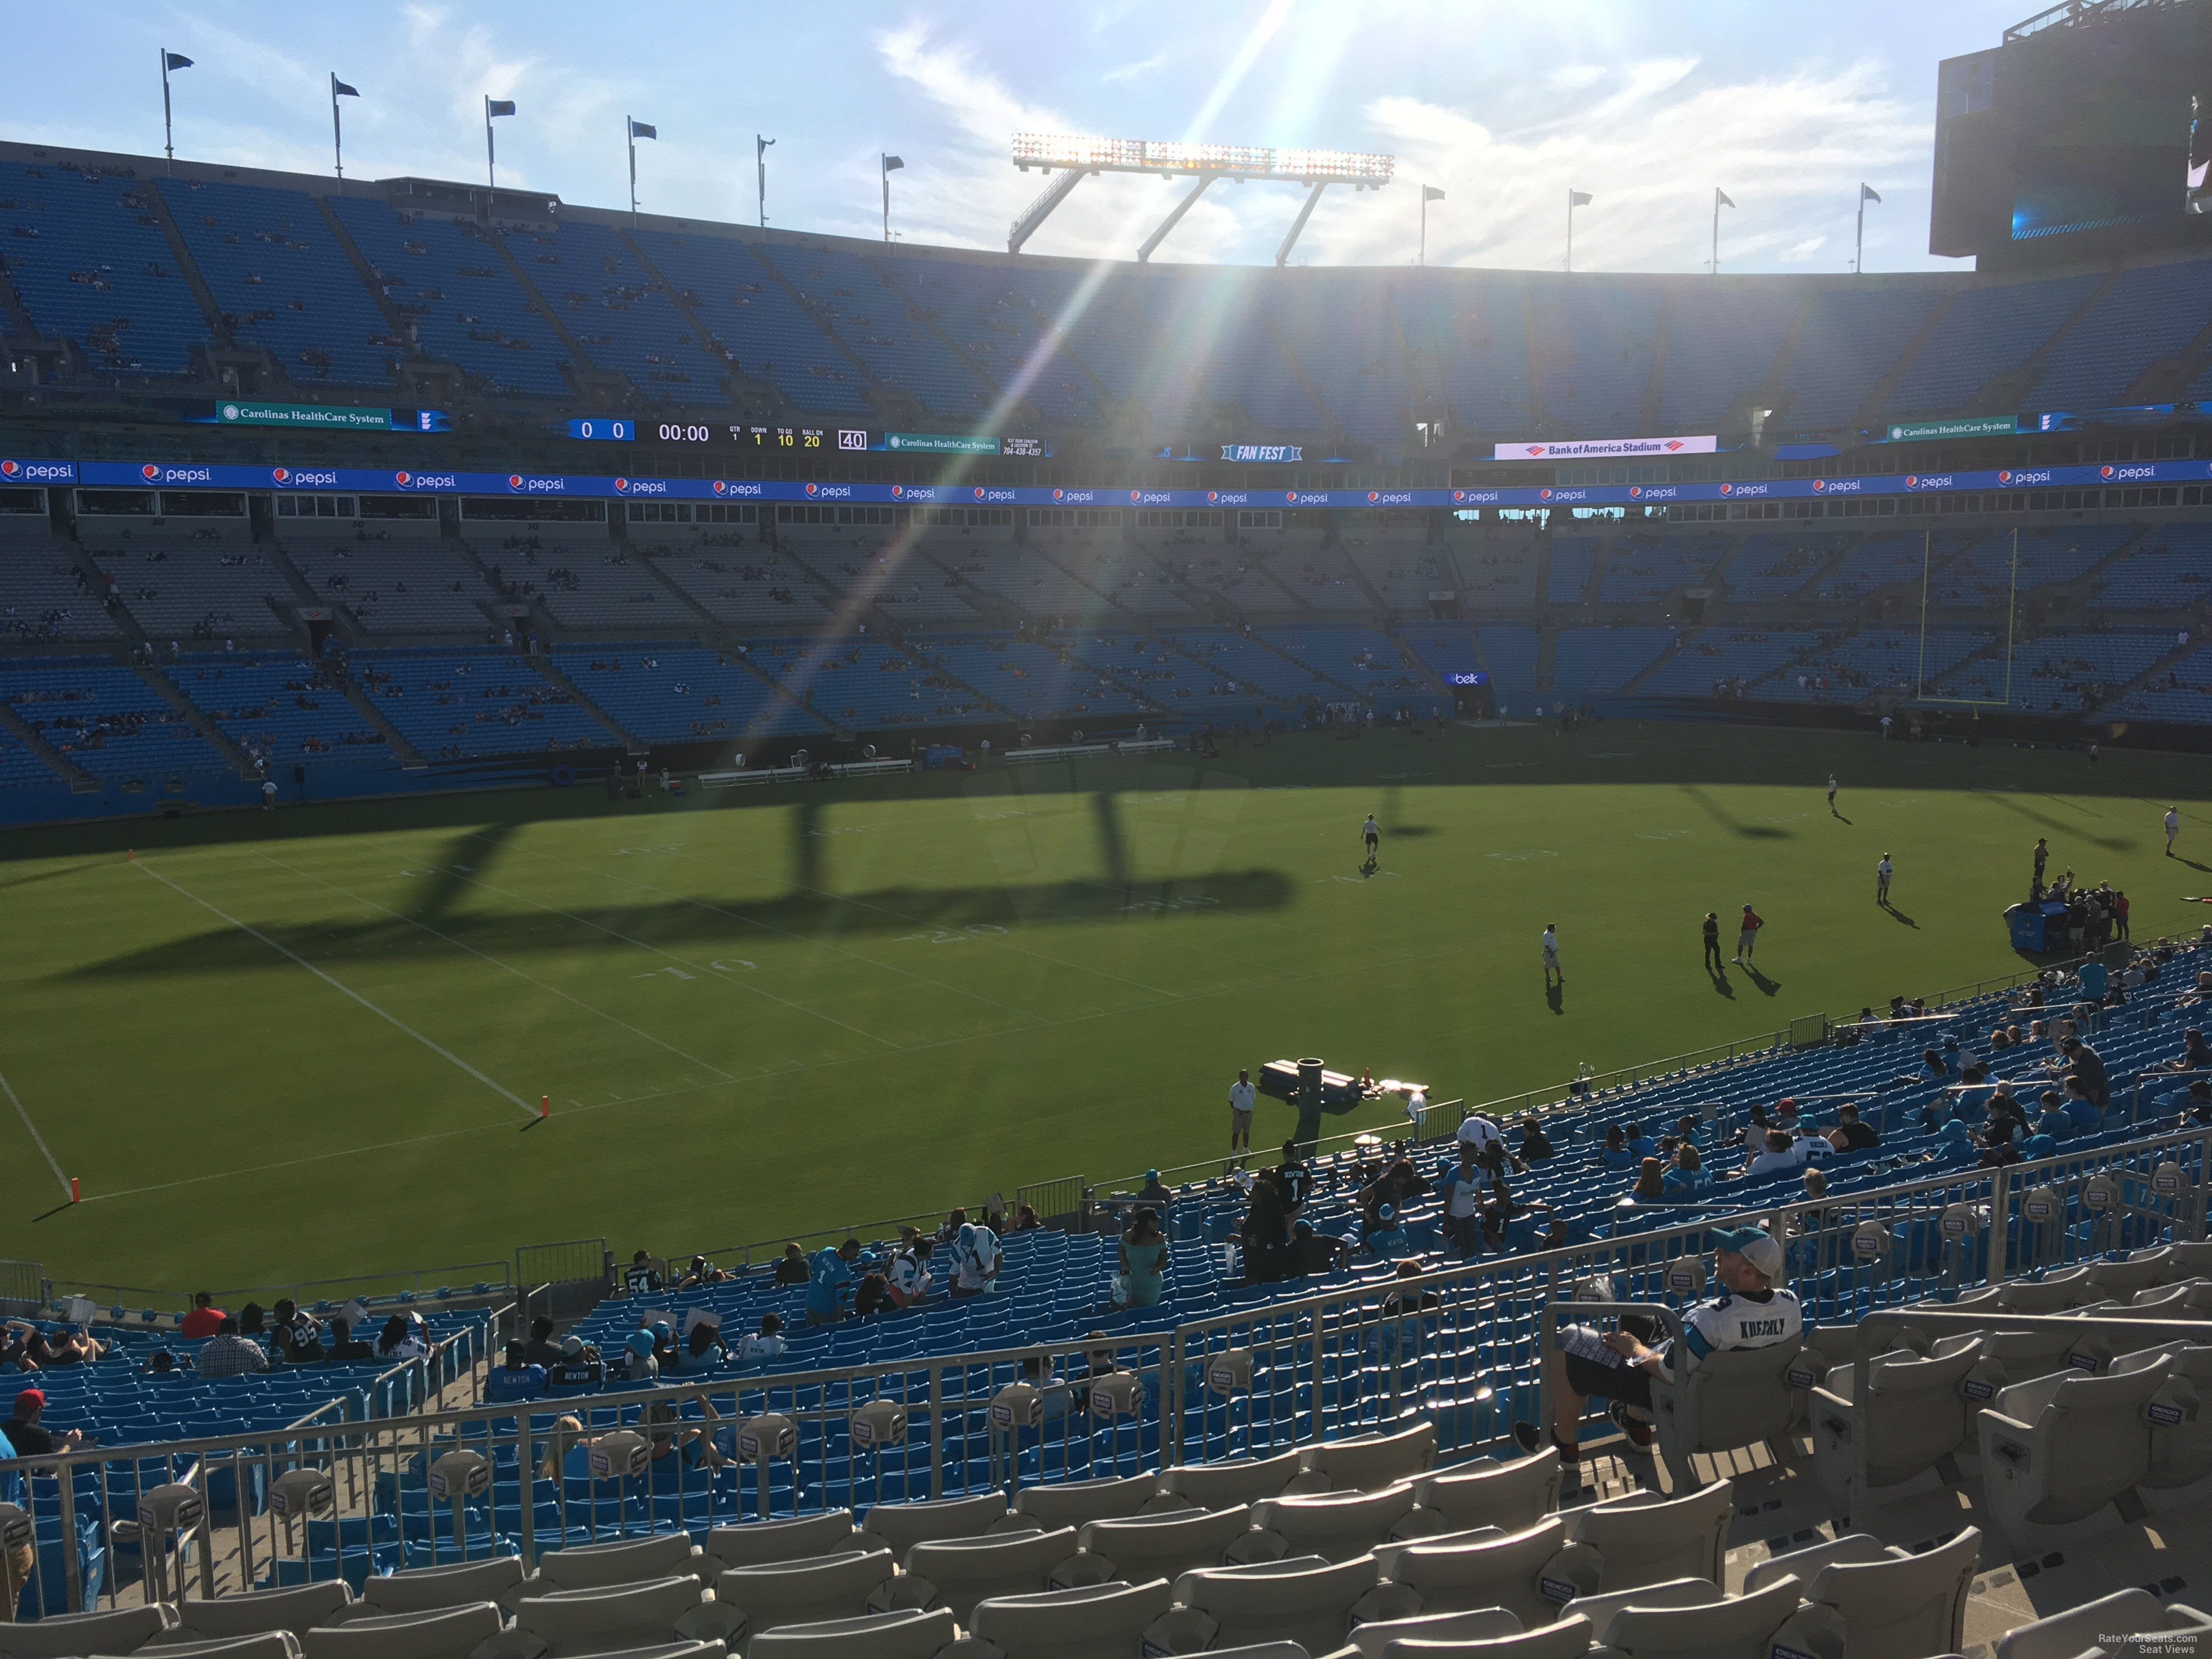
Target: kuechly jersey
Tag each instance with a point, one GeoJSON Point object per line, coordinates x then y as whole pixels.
{"type": "Point", "coordinates": [1734, 1320]}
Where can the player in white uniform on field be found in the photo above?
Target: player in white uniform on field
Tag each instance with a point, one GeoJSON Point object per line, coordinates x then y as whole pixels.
{"type": "Point", "coordinates": [1832, 796]}
{"type": "Point", "coordinates": [2172, 829]}
{"type": "Point", "coordinates": [1551, 957]}
{"type": "Point", "coordinates": [1881, 881]}
{"type": "Point", "coordinates": [1371, 833]}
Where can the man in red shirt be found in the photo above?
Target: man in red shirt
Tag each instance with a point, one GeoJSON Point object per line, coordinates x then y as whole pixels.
{"type": "Point", "coordinates": [1751, 923]}
{"type": "Point", "coordinates": [203, 1320]}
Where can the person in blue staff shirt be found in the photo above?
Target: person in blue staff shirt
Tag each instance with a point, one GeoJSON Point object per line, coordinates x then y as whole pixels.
{"type": "Point", "coordinates": [515, 1378]}
{"type": "Point", "coordinates": [826, 1291]}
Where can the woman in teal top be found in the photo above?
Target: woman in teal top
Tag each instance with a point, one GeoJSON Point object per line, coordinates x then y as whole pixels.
{"type": "Point", "coordinates": [1144, 1261]}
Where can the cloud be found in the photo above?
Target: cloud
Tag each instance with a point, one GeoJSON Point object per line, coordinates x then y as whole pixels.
{"type": "Point", "coordinates": [1131, 71]}
{"type": "Point", "coordinates": [1573, 77]}
{"type": "Point", "coordinates": [1797, 252]}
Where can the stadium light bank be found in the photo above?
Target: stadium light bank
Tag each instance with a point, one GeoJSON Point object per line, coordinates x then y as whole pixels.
{"type": "Point", "coordinates": [1080, 158]}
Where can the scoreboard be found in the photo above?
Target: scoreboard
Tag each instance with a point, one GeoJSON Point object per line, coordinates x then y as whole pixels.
{"type": "Point", "coordinates": [746, 437]}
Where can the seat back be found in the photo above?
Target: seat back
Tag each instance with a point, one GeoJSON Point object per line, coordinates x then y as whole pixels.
{"type": "Point", "coordinates": [1739, 1628]}
{"type": "Point", "coordinates": [1147, 1546]}
{"type": "Point", "coordinates": [123, 1631]}
{"type": "Point", "coordinates": [295, 1610]}
{"type": "Point", "coordinates": [1913, 1604]}
{"type": "Point", "coordinates": [1509, 1495]}
{"type": "Point", "coordinates": [2083, 1450]}
{"type": "Point", "coordinates": [268, 1645]}
{"type": "Point", "coordinates": [1371, 1462]}
{"type": "Point", "coordinates": [1570, 1639]}
{"type": "Point", "coordinates": [425, 1589]}
{"type": "Point", "coordinates": [761, 1541]}
{"type": "Point", "coordinates": [1079, 1501]}
{"type": "Point", "coordinates": [899, 1527]}
{"type": "Point", "coordinates": [967, 1570]}
{"type": "Point", "coordinates": [1334, 1525]}
{"type": "Point", "coordinates": [907, 1634]}
{"type": "Point", "coordinates": [603, 1621]}
{"type": "Point", "coordinates": [1731, 1398]}
{"type": "Point", "coordinates": [1644, 1542]}
{"type": "Point", "coordinates": [442, 1633]}
{"type": "Point", "coordinates": [2053, 1293]}
{"type": "Point", "coordinates": [2125, 1278]}
{"type": "Point", "coordinates": [1477, 1625]}
{"type": "Point", "coordinates": [632, 1561]}
{"type": "Point", "coordinates": [2091, 1626]}
{"type": "Point", "coordinates": [778, 1593]}
{"type": "Point", "coordinates": [1304, 1600]}
{"type": "Point", "coordinates": [1103, 1621]}
{"type": "Point", "coordinates": [1238, 1480]}
{"type": "Point", "coordinates": [1498, 1572]}
{"type": "Point", "coordinates": [1910, 1418]}
{"type": "Point", "coordinates": [2180, 1445]}
{"type": "Point", "coordinates": [1808, 1562]}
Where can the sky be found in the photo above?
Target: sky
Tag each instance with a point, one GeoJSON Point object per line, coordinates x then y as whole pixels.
{"type": "Point", "coordinates": [1504, 107]}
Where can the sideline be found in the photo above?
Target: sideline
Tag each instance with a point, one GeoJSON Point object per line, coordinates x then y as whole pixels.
{"type": "Point", "coordinates": [36, 1139]}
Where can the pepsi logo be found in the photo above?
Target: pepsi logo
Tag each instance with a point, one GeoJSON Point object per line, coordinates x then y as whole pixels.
{"type": "Point", "coordinates": [2004, 478]}
{"type": "Point", "coordinates": [9, 469]}
{"type": "Point", "coordinates": [1726, 488]}
{"type": "Point", "coordinates": [1635, 492]}
{"type": "Point", "coordinates": [1291, 496]}
{"type": "Point", "coordinates": [1373, 496]}
{"type": "Point", "coordinates": [1819, 484]}
{"type": "Point", "coordinates": [280, 473]}
{"type": "Point", "coordinates": [150, 472]}
{"type": "Point", "coordinates": [1211, 496]}
{"type": "Point", "coordinates": [719, 486]}
{"type": "Point", "coordinates": [1459, 495]}
{"type": "Point", "coordinates": [809, 489]}
{"type": "Point", "coordinates": [979, 494]}
{"type": "Point", "coordinates": [1055, 494]}
{"type": "Point", "coordinates": [515, 481]}
{"type": "Point", "coordinates": [402, 479]}
{"type": "Point", "coordinates": [1544, 494]}
{"type": "Point", "coordinates": [621, 485]}
{"type": "Point", "coordinates": [899, 491]}
{"type": "Point", "coordinates": [2104, 473]}
{"type": "Point", "coordinates": [1911, 479]}
{"type": "Point", "coordinates": [1134, 496]}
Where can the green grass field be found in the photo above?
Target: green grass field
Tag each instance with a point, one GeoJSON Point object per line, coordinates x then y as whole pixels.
{"type": "Point", "coordinates": [313, 1043]}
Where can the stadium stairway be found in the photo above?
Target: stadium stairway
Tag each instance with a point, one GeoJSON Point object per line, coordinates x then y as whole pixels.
{"type": "Point", "coordinates": [197, 718]}
{"type": "Point", "coordinates": [544, 663]}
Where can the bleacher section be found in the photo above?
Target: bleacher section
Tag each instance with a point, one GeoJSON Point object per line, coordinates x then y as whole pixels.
{"type": "Point", "coordinates": [106, 718]}
{"type": "Point", "coordinates": [1401, 568]}
{"type": "Point", "coordinates": [735, 578]}
{"type": "Point", "coordinates": [190, 579]}
{"type": "Point", "coordinates": [2168, 568]}
{"type": "Point", "coordinates": [1851, 337]}
{"type": "Point", "coordinates": [2060, 673]}
{"type": "Point", "coordinates": [44, 594]}
{"type": "Point", "coordinates": [875, 324]}
{"type": "Point", "coordinates": [742, 305]}
{"type": "Point", "coordinates": [1984, 579]}
{"type": "Point", "coordinates": [1712, 656]}
{"type": "Point", "coordinates": [1370, 664]}
{"type": "Point", "coordinates": [456, 704]}
{"type": "Point", "coordinates": [982, 315]}
{"type": "Point", "coordinates": [1032, 680]}
{"type": "Point", "coordinates": [678, 693]}
{"type": "Point", "coordinates": [1721, 350]}
{"type": "Point", "coordinates": [2183, 693]}
{"type": "Point", "coordinates": [1980, 335]}
{"type": "Point", "coordinates": [2146, 315]}
{"type": "Point", "coordinates": [1774, 567]}
{"type": "Point", "coordinates": [1878, 660]}
{"type": "Point", "coordinates": [1137, 576]}
{"type": "Point", "coordinates": [1594, 662]}
{"type": "Point", "coordinates": [1880, 561]}
{"type": "Point", "coordinates": [1594, 340]}
{"type": "Point", "coordinates": [1470, 345]}
{"type": "Point", "coordinates": [1639, 569]}
{"type": "Point", "coordinates": [866, 685]}
{"type": "Point", "coordinates": [393, 578]}
{"type": "Point", "coordinates": [275, 708]}
{"type": "Point", "coordinates": [619, 313]}
{"type": "Point", "coordinates": [1182, 687]}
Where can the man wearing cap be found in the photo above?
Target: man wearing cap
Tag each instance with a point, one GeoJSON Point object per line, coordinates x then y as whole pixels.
{"type": "Point", "coordinates": [1241, 1097]}
{"type": "Point", "coordinates": [1388, 1241]}
{"type": "Point", "coordinates": [578, 1367]}
{"type": "Point", "coordinates": [825, 1288]}
{"type": "Point", "coordinates": [25, 1434]}
{"type": "Point", "coordinates": [1754, 1309]}
{"type": "Point", "coordinates": [516, 1378]}
{"type": "Point", "coordinates": [639, 1366]}
{"type": "Point", "coordinates": [1748, 935]}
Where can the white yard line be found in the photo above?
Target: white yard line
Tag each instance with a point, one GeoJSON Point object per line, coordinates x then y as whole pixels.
{"type": "Point", "coordinates": [344, 989]}
{"type": "Point", "coordinates": [37, 1138]}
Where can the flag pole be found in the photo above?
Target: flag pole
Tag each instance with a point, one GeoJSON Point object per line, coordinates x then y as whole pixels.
{"type": "Point", "coordinates": [1424, 228]}
{"type": "Point", "coordinates": [629, 132]}
{"type": "Point", "coordinates": [337, 134]}
{"type": "Point", "coordinates": [168, 136]}
{"type": "Point", "coordinates": [491, 160]}
{"type": "Point", "coordinates": [1859, 247]}
{"type": "Point", "coordinates": [1571, 227]}
{"type": "Point", "coordinates": [1716, 230]}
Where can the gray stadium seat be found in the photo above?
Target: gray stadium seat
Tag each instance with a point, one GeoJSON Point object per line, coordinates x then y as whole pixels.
{"type": "Point", "coordinates": [1508, 1570]}
{"type": "Point", "coordinates": [2180, 1433]}
{"type": "Point", "coordinates": [1334, 1525]}
{"type": "Point", "coordinates": [124, 1630]}
{"type": "Point", "coordinates": [1737, 1628]}
{"type": "Point", "coordinates": [1901, 1607]}
{"type": "Point", "coordinates": [1508, 1495]}
{"type": "Point", "coordinates": [1140, 1547]}
{"type": "Point", "coordinates": [1237, 1480]}
{"type": "Point", "coordinates": [1477, 1625]}
{"type": "Point", "coordinates": [1105, 1621]}
{"type": "Point", "coordinates": [1371, 1462]}
{"type": "Point", "coordinates": [1076, 1502]}
{"type": "Point", "coordinates": [958, 1573]}
{"type": "Point", "coordinates": [426, 1589]}
{"type": "Point", "coordinates": [593, 1621]}
{"type": "Point", "coordinates": [268, 1645]}
{"type": "Point", "coordinates": [1570, 1639]}
{"type": "Point", "coordinates": [1730, 1399]}
{"type": "Point", "coordinates": [1304, 1599]}
{"type": "Point", "coordinates": [2052, 1293]}
{"type": "Point", "coordinates": [1910, 1421]}
{"type": "Point", "coordinates": [762, 1541]}
{"type": "Point", "coordinates": [2079, 1629]}
{"type": "Point", "coordinates": [1644, 1539]}
{"type": "Point", "coordinates": [899, 1527]}
{"type": "Point", "coordinates": [1806, 1564]}
{"type": "Point", "coordinates": [600, 1566]}
{"type": "Point", "coordinates": [2124, 1280]}
{"type": "Point", "coordinates": [778, 1593]}
{"type": "Point", "coordinates": [440, 1633]}
{"type": "Point", "coordinates": [911, 1634]}
{"type": "Point", "coordinates": [295, 1610]}
{"type": "Point", "coordinates": [2060, 1449]}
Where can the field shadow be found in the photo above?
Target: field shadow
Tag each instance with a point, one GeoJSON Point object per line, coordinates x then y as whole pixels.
{"type": "Point", "coordinates": [1896, 914]}
{"type": "Point", "coordinates": [2193, 863]}
{"type": "Point", "coordinates": [1720, 986]}
{"type": "Point", "coordinates": [1555, 997]}
{"type": "Point", "coordinates": [1713, 809]}
{"type": "Point", "coordinates": [1767, 988]}
{"type": "Point", "coordinates": [680, 923]}
{"type": "Point", "coordinates": [2107, 843]}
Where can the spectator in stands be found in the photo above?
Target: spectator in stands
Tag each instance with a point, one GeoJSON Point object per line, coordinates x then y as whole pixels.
{"type": "Point", "coordinates": [639, 1366]}
{"type": "Point", "coordinates": [1810, 1146]}
{"type": "Point", "coordinates": [2085, 1062]}
{"type": "Point", "coordinates": [1315, 1253]}
{"type": "Point", "coordinates": [1025, 1219]}
{"type": "Point", "coordinates": [1754, 1309]}
{"type": "Point", "coordinates": [515, 1377]}
{"type": "Point", "coordinates": [702, 1348]}
{"type": "Point", "coordinates": [1266, 1234]}
{"type": "Point", "coordinates": [792, 1267]}
{"type": "Point", "coordinates": [1478, 1132]}
{"type": "Point", "coordinates": [955, 1219]}
{"type": "Point", "coordinates": [665, 1352]}
{"type": "Point", "coordinates": [1397, 1185]}
{"type": "Point", "coordinates": [2081, 1112]}
{"type": "Point", "coordinates": [296, 1338]}
{"type": "Point", "coordinates": [1295, 1177]}
{"type": "Point", "coordinates": [826, 1292]}
{"type": "Point", "coordinates": [1687, 1178]}
{"type": "Point", "coordinates": [1754, 1131]}
{"type": "Point", "coordinates": [251, 1321]}
{"type": "Point", "coordinates": [347, 1349]}
{"type": "Point", "coordinates": [2052, 1120]}
{"type": "Point", "coordinates": [975, 1259]}
{"type": "Point", "coordinates": [1153, 1192]}
{"type": "Point", "coordinates": [1398, 1318]}
{"type": "Point", "coordinates": [1460, 1189]}
{"type": "Point", "coordinates": [642, 1278]}
{"type": "Point", "coordinates": [1651, 1180]}
{"type": "Point", "coordinates": [203, 1320]}
{"type": "Point", "coordinates": [1536, 1146]}
{"type": "Point", "coordinates": [73, 1345]}
{"type": "Point", "coordinates": [871, 1295]}
{"type": "Point", "coordinates": [1615, 1155]}
{"type": "Point", "coordinates": [765, 1344]}
{"type": "Point", "coordinates": [26, 1435]}
{"type": "Point", "coordinates": [2196, 1106]}
{"type": "Point", "coordinates": [541, 1349]}
{"type": "Point", "coordinates": [1639, 1144]}
{"type": "Point", "coordinates": [159, 1363]}
{"type": "Point", "coordinates": [2195, 1053]}
{"type": "Point", "coordinates": [228, 1354]}
{"type": "Point", "coordinates": [1144, 1262]}
{"type": "Point", "coordinates": [578, 1367]}
{"type": "Point", "coordinates": [909, 1277]}
{"type": "Point", "coordinates": [1777, 1159]}
{"type": "Point", "coordinates": [402, 1338]}
{"type": "Point", "coordinates": [1850, 1135]}
{"type": "Point", "coordinates": [701, 1272]}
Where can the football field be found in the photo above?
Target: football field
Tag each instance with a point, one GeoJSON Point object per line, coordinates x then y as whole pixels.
{"type": "Point", "coordinates": [314, 1043]}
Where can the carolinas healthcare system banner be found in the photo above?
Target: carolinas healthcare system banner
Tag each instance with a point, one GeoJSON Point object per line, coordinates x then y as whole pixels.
{"type": "Point", "coordinates": [1607, 449]}
{"type": "Point", "coordinates": [123, 475]}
